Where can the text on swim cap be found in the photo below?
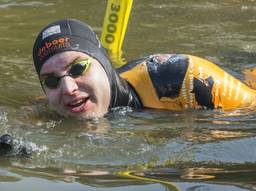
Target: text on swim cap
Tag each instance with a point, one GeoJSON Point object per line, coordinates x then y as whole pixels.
{"type": "Point", "coordinates": [52, 46]}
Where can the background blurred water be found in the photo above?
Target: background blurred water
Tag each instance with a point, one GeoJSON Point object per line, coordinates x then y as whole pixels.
{"type": "Point", "coordinates": [194, 150]}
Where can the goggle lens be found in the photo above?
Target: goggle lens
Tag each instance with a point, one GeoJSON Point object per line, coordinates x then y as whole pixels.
{"type": "Point", "coordinates": [52, 81]}
{"type": "Point", "coordinates": [77, 69]}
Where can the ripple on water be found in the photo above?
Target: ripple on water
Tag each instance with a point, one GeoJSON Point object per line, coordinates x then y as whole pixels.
{"type": "Point", "coordinates": [24, 4]}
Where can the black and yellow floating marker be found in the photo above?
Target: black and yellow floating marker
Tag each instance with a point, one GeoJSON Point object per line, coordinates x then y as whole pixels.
{"type": "Point", "coordinates": [115, 24]}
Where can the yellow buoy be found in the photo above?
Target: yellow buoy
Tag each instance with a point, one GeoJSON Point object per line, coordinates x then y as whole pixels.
{"type": "Point", "coordinates": [115, 24]}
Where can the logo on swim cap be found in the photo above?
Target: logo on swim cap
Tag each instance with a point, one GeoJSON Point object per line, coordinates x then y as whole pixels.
{"type": "Point", "coordinates": [52, 46]}
{"type": "Point", "coordinates": [51, 31]}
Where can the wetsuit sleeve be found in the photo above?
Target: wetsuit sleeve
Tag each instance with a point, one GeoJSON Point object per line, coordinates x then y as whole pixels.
{"type": "Point", "coordinates": [249, 76]}
{"type": "Point", "coordinates": [178, 82]}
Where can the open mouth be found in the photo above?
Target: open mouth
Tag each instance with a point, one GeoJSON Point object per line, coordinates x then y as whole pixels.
{"type": "Point", "coordinates": [78, 106]}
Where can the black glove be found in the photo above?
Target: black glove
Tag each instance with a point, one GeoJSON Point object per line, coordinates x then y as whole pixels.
{"type": "Point", "coordinates": [12, 147]}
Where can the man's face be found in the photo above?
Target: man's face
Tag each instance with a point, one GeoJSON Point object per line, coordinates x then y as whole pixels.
{"type": "Point", "coordinates": [85, 96]}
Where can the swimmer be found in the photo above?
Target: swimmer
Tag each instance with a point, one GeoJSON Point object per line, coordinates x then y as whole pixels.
{"type": "Point", "coordinates": [79, 80]}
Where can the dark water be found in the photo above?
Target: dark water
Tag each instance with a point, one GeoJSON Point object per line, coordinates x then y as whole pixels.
{"type": "Point", "coordinates": [191, 150]}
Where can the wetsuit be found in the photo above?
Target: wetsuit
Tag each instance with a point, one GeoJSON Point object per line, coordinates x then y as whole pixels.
{"type": "Point", "coordinates": [177, 82]}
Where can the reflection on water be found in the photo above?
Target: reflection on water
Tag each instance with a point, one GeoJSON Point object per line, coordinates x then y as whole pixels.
{"type": "Point", "coordinates": [129, 150]}
{"type": "Point", "coordinates": [158, 145]}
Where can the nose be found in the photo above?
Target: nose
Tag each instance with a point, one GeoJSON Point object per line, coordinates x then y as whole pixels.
{"type": "Point", "coordinates": [68, 85]}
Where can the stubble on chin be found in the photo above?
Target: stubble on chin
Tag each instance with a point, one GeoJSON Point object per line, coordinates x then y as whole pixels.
{"type": "Point", "coordinates": [82, 116]}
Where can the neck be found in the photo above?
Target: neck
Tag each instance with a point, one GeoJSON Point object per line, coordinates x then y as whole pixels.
{"type": "Point", "coordinates": [123, 94]}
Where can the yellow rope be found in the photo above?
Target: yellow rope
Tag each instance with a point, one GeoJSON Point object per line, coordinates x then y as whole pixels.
{"type": "Point", "coordinates": [128, 174]}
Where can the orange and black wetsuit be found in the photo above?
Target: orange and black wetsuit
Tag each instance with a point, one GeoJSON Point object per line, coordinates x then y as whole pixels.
{"type": "Point", "coordinates": [177, 82]}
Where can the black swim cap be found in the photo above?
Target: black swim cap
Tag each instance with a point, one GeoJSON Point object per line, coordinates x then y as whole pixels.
{"type": "Point", "coordinates": [67, 35]}
{"type": "Point", "coordinates": [73, 35]}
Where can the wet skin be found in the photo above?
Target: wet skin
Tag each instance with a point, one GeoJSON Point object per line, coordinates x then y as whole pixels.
{"type": "Point", "coordinates": [86, 96]}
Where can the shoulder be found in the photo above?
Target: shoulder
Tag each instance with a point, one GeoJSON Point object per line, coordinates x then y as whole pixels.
{"type": "Point", "coordinates": [157, 62]}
